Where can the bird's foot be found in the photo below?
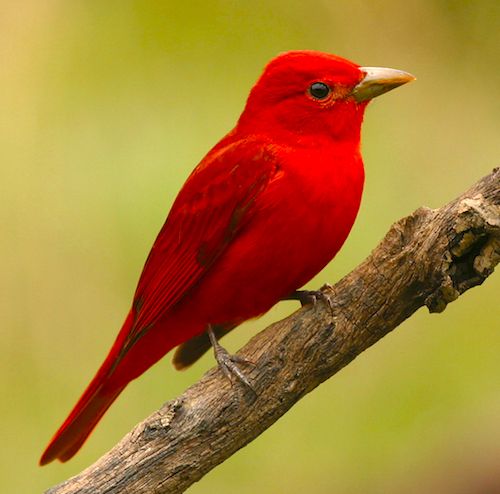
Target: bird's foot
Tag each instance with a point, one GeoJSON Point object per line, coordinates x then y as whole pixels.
{"type": "Point", "coordinates": [229, 363]}
{"type": "Point", "coordinates": [311, 297]}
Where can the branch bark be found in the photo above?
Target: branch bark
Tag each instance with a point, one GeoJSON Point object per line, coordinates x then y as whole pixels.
{"type": "Point", "coordinates": [428, 258]}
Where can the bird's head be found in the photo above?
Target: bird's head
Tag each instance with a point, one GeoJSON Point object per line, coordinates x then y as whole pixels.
{"type": "Point", "coordinates": [308, 94]}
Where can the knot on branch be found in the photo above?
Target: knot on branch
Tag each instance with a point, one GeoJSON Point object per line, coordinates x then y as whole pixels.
{"type": "Point", "coordinates": [404, 233]}
{"type": "Point", "coordinates": [472, 252]}
{"type": "Point", "coordinates": [165, 417]}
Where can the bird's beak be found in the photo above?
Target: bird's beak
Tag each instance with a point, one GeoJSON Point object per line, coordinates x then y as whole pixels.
{"type": "Point", "coordinates": [379, 80]}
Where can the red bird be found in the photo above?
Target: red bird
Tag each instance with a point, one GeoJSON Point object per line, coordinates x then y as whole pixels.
{"type": "Point", "coordinates": [266, 209]}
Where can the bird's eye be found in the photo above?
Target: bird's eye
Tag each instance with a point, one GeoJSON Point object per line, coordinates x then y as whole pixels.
{"type": "Point", "coordinates": [319, 90]}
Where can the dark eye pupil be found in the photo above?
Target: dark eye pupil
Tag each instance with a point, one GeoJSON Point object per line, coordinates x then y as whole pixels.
{"type": "Point", "coordinates": [319, 90]}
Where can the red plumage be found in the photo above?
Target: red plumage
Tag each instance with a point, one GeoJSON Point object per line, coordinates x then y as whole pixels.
{"type": "Point", "coordinates": [266, 209]}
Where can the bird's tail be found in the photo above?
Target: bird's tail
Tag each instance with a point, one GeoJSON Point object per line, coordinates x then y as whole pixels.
{"type": "Point", "coordinates": [92, 405]}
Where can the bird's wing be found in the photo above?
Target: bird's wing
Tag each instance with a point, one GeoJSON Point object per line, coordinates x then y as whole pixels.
{"type": "Point", "coordinates": [216, 202]}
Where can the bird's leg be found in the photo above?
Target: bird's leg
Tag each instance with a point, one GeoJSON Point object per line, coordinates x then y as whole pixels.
{"type": "Point", "coordinates": [228, 363]}
{"type": "Point", "coordinates": [306, 297]}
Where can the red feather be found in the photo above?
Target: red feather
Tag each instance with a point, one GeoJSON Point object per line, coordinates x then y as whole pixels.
{"type": "Point", "coordinates": [214, 205]}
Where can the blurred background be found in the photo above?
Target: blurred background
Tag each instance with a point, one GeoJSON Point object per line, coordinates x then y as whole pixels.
{"type": "Point", "coordinates": [105, 109]}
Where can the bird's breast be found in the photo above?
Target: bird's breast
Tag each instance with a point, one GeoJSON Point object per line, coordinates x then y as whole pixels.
{"type": "Point", "coordinates": [319, 200]}
{"type": "Point", "coordinates": [301, 221]}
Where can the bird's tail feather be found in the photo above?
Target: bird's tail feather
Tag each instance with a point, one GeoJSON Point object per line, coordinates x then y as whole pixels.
{"type": "Point", "coordinates": [97, 398]}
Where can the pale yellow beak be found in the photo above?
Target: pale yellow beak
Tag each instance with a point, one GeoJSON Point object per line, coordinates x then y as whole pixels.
{"type": "Point", "coordinates": [379, 80]}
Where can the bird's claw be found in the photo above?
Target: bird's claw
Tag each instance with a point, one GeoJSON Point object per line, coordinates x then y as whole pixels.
{"type": "Point", "coordinates": [311, 297]}
{"type": "Point", "coordinates": [228, 363]}
{"type": "Point", "coordinates": [229, 366]}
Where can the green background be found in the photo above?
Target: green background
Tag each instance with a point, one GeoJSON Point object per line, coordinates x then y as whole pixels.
{"type": "Point", "coordinates": [106, 106]}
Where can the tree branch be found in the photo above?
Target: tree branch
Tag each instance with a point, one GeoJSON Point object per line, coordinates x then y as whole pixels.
{"type": "Point", "coordinates": [428, 258]}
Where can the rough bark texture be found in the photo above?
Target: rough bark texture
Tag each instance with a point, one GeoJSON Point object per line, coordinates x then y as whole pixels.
{"type": "Point", "coordinates": [428, 258]}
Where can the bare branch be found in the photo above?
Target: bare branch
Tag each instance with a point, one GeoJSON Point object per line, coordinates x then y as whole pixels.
{"type": "Point", "coordinates": [428, 258]}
